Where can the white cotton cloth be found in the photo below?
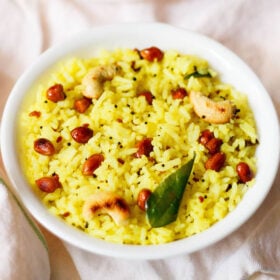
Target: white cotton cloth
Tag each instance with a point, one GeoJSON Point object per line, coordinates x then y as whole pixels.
{"type": "Point", "coordinates": [250, 28]}
{"type": "Point", "coordinates": [24, 252]}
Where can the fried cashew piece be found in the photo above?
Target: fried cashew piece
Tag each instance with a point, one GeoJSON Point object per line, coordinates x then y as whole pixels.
{"type": "Point", "coordinates": [108, 203]}
{"type": "Point", "coordinates": [95, 78]}
{"type": "Point", "coordinates": [213, 112]}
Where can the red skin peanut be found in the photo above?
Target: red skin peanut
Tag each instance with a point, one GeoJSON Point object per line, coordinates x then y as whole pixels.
{"type": "Point", "coordinates": [244, 172]}
{"type": "Point", "coordinates": [142, 198]}
{"type": "Point", "coordinates": [151, 54]}
{"type": "Point", "coordinates": [216, 161]}
{"type": "Point", "coordinates": [48, 184]}
{"type": "Point", "coordinates": [92, 163]}
{"type": "Point", "coordinates": [205, 137]}
{"type": "Point", "coordinates": [44, 147]}
{"type": "Point", "coordinates": [82, 134]}
{"type": "Point", "coordinates": [213, 145]}
{"type": "Point", "coordinates": [56, 93]}
{"type": "Point", "coordinates": [145, 147]}
{"type": "Point", "coordinates": [81, 105]}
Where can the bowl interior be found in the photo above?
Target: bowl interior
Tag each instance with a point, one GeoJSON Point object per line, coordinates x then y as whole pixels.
{"type": "Point", "coordinates": [231, 70]}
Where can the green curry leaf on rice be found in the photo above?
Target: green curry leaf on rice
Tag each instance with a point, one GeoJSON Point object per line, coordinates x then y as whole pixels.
{"type": "Point", "coordinates": [164, 202]}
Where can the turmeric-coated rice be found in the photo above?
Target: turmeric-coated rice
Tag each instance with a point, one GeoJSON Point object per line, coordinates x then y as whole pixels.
{"type": "Point", "coordinates": [120, 118]}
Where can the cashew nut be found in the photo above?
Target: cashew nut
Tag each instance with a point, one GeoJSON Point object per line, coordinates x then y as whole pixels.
{"type": "Point", "coordinates": [213, 112]}
{"type": "Point", "coordinates": [108, 203]}
{"type": "Point", "coordinates": [95, 78]}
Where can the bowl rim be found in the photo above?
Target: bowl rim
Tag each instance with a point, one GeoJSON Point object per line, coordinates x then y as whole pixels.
{"type": "Point", "coordinates": [215, 233]}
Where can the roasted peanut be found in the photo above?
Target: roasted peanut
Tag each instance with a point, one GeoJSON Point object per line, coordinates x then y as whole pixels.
{"type": "Point", "coordinates": [44, 147]}
{"type": "Point", "coordinates": [144, 147]}
{"type": "Point", "coordinates": [151, 54]}
{"type": "Point", "coordinates": [205, 137]}
{"type": "Point", "coordinates": [142, 198]}
{"type": "Point", "coordinates": [56, 93]}
{"type": "Point", "coordinates": [244, 172]}
{"type": "Point", "coordinates": [179, 93]}
{"type": "Point", "coordinates": [148, 96]}
{"type": "Point", "coordinates": [92, 163]}
{"type": "Point", "coordinates": [81, 105]}
{"type": "Point", "coordinates": [213, 145]}
{"type": "Point", "coordinates": [48, 184]}
{"type": "Point", "coordinates": [216, 161]}
{"type": "Point", "coordinates": [82, 134]}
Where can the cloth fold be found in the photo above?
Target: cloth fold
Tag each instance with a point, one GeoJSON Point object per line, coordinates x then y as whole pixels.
{"type": "Point", "coordinates": [247, 27]}
{"type": "Point", "coordinates": [24, 250]}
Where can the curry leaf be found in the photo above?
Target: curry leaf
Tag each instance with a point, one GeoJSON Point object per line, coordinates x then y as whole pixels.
{"type": "Point", "coordinates": [196, 74]}
{"type": "Point", "coordinates": [163, 204]}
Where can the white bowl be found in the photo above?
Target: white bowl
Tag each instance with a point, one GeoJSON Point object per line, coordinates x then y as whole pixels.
{"type": "Point", "coordinates": [231, 70]}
